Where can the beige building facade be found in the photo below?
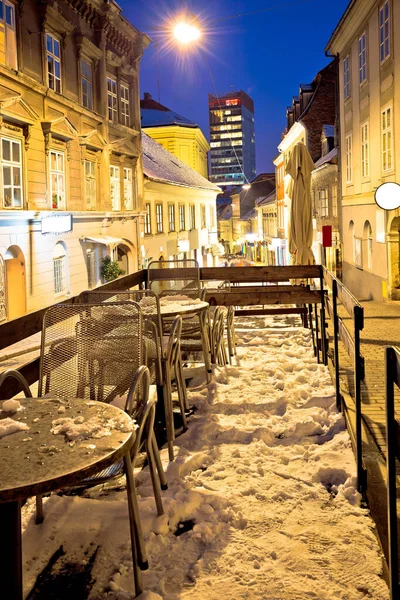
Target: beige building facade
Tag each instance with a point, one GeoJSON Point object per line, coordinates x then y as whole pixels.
{"type": "Point", "coordinates": [369, 83]}
{"type": "Point", "coordinates": [71, 170]}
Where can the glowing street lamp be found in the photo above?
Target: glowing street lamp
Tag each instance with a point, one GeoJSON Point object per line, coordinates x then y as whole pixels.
{"type": "Point", "coordinates": [185, 33]}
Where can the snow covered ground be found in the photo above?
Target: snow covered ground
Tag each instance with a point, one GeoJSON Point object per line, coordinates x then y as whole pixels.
{"type": "Point", "coordinates": [263, 483]}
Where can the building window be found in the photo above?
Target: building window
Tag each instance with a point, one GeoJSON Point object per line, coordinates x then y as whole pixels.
{"type": "Point", "coordinates": [91, 268]}
{"type": "Point", "coordinates": [203, 216]}
{"type": "Point", "coordinates": [87, 84]}
{"type": "Point", "coordinates": [159, 218]}
{"type": "Point", "coordinates": [11, 172]}
{"type": "Point", "coordinates": [182, 217]}
{"type": "Point", "coordinates": [171, 216]}
{"type": "Point", "coordinates": [384, 31]}
{"type": "Point", "coordinates": [387, 139]}
{"type": "Point", "coordinates": [59, 270]}
{"type": "Point", "coordinates": [147, 219]}
{"type": "Point", "coordinates": [323, 202]}
{"type": "Point", "coordinates": [365, 150]}
{"type": "Point", "coordinates": [125, 116]}
{"type": "Point", "coordinates": [53, 63]}
{"type": "Point", "coordinates": [90, 184]}
{"type": "Point", "coordinates": [115, 188]}
{"type": "Point", "coordinates": [368, 239]}
{"type": "Point", "coordinates": [349, 158]}
{"type": "Point", "coordinates": [128, 188]}
{"type": "Point", "coordinates": [112, 100]}
{"type": "Point", "coordinates": [8, 42]}
{"type": "Point", "coordinates": [57, 179]}
{"type": "Point", "coordinates": [212, 217]}
{"type": "Point", "coordinates": [192, 216]}
{"type": "Point", "coordinates": [362, 58]}
{"type": "Point", "coordinates": [346, 77]}
{"type": "Point", "coordinates": [334, 201]}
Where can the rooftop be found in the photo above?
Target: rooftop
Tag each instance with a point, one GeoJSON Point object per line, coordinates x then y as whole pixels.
{"type": "Point", "coordinates": [154, 114]}
{"type": "Point", "coordinates": [162, 166]}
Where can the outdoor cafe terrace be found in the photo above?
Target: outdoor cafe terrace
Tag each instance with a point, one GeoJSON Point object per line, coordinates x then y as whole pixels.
{"type": "Point", "coordinates": [265, 474]}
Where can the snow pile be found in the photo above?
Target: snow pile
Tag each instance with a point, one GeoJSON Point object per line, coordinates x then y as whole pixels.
{"type": "Point", "coordinates": [261, 504]}
{"type": "Point", "coordinates": [9, 426]}
{"type": "Point", "coordinates": [95, 427]}
{"type": "Point", "coordinates": [11, 406]}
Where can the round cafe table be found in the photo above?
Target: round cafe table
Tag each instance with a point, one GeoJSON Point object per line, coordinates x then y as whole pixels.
{"type": "Point", "coordinates": [37, 461]}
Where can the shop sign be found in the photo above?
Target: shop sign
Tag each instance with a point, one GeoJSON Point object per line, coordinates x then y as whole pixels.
{"type": "Point", "coordinates": [57, 224]}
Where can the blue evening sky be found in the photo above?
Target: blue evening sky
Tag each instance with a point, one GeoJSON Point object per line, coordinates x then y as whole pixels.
{"type": "Point", "coordinates": [266, 54]}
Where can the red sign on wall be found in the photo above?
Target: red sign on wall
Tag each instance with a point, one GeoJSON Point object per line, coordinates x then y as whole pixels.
{"type": "Point", "coordinates": [326, 236]}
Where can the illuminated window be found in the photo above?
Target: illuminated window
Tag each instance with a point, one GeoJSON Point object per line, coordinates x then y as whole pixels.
{"type": "Point", "coordinates": [362, 58]}
{"type": "Point", "coordinates": [365, 150]}
{"type": "Point", "coordinates": [11, 173]}
{"type": "Point", "coordinates": [8, 42]}
{"type": "Point", "coordinates": [159, 218]}
{"type": "Point", "coordinates": [387, 139]}
{"type": "Point", "coordinates": [349, 158]}
{"type": "Point", "coordinates": [59, 270]}
{"type": "Point", "coordinates": [87, 84]}
{"type": "Point", "coordinates": [334, 201]}
{"type": "Point", "coordinates": [57, 179]}
{"type": "Point", "coordinates": [115, 188]}
{"type": "Point", "coordinates": [53, 63]}
{"type": "Point", "coordinates": [182, 217]}
{"type": "Point", "coordinates": [384, 31]}
{"type": "Point", "coordinates": [128, 189]}
{"type": "Point", "coordinates": [112, 100]}
{"type": "Point", "coordinates": [125, 115]}
{"type": "Point", "coordinates": [192, 216]}
{"type": "Point", "coordinates": [203, 216]}
{"type": "Point", "coordinates": [171, 217]}
{"type": "Point", "coordinates": [323, 202]}
{"type": "Point", "coordinates": [147, 219]}
{"type": "Point", "coordinates": [90, 184]}
{"type": "Point", "coordinates": [346, 77]}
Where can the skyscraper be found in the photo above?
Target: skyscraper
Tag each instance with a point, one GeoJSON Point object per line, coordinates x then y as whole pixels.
{"type": "Point", "coordinates": [233, 156]}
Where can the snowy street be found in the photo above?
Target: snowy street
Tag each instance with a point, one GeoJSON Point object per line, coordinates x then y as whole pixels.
{"type": "Point", "coordinates": [262, 501]}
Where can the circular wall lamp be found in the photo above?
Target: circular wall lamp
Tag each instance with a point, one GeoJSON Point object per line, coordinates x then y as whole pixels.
{"type": "Point", "coordinates": [387, 195]}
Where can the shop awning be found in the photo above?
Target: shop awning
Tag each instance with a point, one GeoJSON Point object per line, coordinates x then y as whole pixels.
{"type": "Point", "coordinates": [106, 240]}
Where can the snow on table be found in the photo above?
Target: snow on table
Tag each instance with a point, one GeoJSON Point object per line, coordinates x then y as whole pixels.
{"type": "Point", "coordinates": [264, 479]}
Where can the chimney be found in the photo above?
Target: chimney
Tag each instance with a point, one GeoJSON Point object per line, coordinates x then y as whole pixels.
{"type": "Point", "coordinates": [147, 96]}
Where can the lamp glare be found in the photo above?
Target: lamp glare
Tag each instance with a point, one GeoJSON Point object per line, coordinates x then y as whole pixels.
{"type": "Point", "coordinates": [185, 33]}
{"type": "Point", "coordinates": [246, 186]}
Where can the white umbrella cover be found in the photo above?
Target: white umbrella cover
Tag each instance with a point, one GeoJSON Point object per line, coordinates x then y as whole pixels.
{"type": "Point", "coordinates": [299, 167]}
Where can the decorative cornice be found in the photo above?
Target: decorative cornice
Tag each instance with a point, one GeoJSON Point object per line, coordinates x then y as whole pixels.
{"type": "Point", "coordinates": [87, 48]}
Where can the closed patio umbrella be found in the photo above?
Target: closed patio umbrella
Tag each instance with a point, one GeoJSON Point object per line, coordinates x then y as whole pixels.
{"type": "Point", "coordinates": [299, 168]}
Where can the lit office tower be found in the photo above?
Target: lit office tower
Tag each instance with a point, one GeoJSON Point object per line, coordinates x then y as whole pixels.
{"type": "Point", "coordinates": [232, 139]}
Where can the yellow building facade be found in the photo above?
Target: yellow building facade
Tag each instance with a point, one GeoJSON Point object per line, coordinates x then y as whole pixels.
{"type": "Point", "coordinates": [177, 134]}
{"type": "Point", "coordinates": [71, 170]}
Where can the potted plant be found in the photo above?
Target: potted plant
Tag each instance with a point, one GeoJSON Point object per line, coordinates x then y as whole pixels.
{"type": "Point", "coordinates": [110, 269]}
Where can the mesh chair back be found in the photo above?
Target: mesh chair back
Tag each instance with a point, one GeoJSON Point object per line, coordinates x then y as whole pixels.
{"type": "Point", "coordinates": [173, 275]}
{"type": "Point", "coordinates": [90, 350]}
{"type": "Point", "coordinates": [147, 300]}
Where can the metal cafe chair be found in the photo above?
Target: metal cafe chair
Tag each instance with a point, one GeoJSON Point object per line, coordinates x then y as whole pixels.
{"type": "Point", "coordinates": [181, 275]}
{"type": "Point", "coordinates": [152, 324]}
{"type": "Point", "coordinates": [167, 359]}
{"type": "Point", "coordinates": [92, 351]}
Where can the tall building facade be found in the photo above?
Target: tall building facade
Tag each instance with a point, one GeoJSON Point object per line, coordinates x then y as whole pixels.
{"type": "Point", "coordinates": [368, 50]}
{"type": "Point", "coordinates": [232, 139]}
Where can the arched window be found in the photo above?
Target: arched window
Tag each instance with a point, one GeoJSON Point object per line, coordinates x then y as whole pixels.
{"type": "Point", "coordinates": [368, 243]}
{"type": "Point", "coordinates": [351, 238]}
{"type": "Point", "coordinates": [60, 269]}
